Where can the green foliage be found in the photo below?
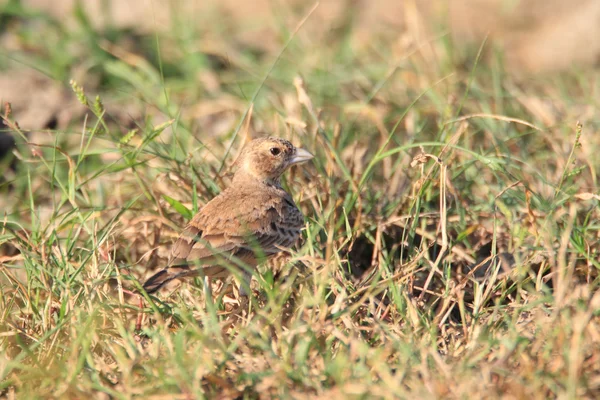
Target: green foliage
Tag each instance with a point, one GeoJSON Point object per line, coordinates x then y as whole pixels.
{"type": "Point", "coordinates": [180, 208]}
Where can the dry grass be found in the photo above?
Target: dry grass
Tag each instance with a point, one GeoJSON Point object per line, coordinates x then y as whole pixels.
{"type": "Point", "coordinates": [451, 245]}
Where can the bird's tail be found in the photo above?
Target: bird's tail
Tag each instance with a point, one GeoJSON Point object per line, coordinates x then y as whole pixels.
{"type": "Point", "coordinates": [162, 277]}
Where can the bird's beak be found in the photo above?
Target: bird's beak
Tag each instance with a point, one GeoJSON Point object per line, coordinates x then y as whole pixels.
{"type": "Point", "coordinates": [300, 156]}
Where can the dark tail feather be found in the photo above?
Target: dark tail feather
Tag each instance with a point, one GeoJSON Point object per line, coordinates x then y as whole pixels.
{"type": "Point", "coordinates": [161, 278]}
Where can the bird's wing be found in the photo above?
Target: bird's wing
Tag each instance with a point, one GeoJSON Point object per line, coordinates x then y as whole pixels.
{"type": "Point", "coordinates": [210, 238]}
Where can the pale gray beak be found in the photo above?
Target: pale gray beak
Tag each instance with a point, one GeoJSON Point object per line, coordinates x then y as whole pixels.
{"type": "Point", "coordinates": [300, 156]}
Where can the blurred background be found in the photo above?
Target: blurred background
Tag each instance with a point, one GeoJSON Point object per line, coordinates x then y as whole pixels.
{"type": "Point", "coordinates": [537, 35]}
{"type": "Point", "coordinates": [45, 43]}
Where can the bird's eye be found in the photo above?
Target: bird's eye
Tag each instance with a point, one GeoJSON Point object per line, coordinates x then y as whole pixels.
{"type": "Point", "coordinates": [275, 151]}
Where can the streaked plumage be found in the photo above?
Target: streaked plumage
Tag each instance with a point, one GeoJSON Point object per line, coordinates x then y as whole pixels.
{"type": "Point", "coordinates": [251, 220]}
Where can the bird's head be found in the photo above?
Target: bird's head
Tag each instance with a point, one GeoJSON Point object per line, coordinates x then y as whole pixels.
{"type": "Point", "coordinates": [266, 159]}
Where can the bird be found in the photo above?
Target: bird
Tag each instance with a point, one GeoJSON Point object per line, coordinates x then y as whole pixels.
{"type": "Point", "coordinates": [250, 221]}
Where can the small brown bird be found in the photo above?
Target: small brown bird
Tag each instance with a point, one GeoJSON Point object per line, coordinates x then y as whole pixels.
{"type": "Point", "coordinates": [248, 222]}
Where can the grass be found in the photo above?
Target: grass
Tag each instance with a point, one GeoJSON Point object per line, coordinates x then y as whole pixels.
{"type": "Point", "coordinates": [452, 237]}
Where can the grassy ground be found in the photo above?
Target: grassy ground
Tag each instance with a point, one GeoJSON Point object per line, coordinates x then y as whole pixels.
{"type": "Point", "coordinates": [452, 236]}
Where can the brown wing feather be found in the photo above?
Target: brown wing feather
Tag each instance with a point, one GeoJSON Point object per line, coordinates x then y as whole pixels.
{"type": "Point", "coordinates": [239, 219]}
{"type": "Point", "coordinates": [233, 224]}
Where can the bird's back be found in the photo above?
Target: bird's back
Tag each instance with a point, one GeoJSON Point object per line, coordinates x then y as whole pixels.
{"type": "Point", "coordinates": [243, 219]}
